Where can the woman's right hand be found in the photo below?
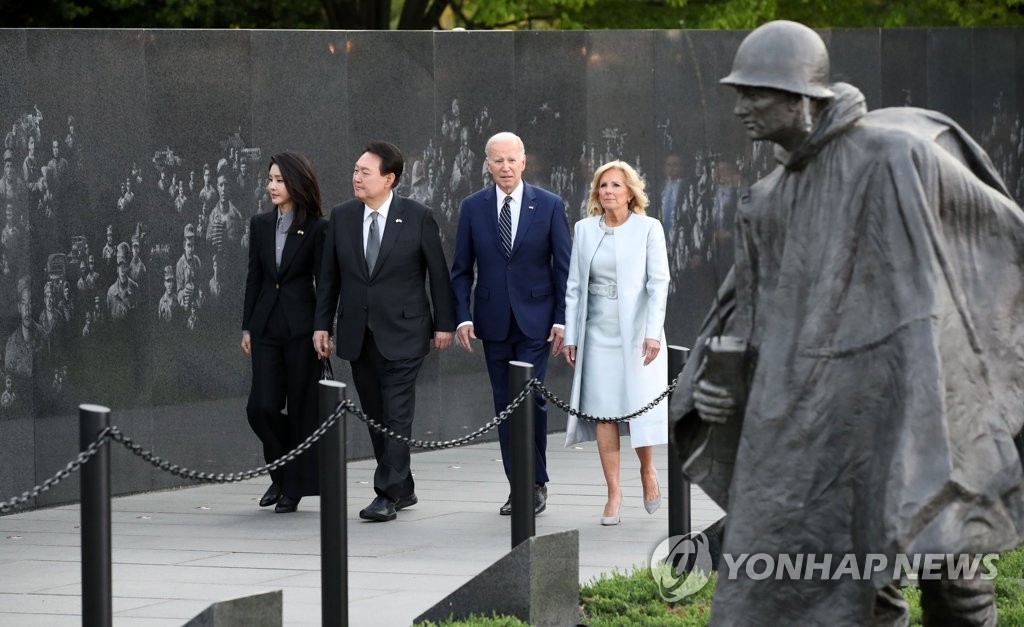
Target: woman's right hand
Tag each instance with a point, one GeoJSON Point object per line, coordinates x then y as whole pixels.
{"type": "Point", "coordinates": [246, 343]}
{"type": "Point", "coordinates": [570, 355]}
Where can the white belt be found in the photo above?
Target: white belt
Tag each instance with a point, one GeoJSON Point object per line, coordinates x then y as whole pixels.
{"type": "Point", "coordinates": [608, 291]}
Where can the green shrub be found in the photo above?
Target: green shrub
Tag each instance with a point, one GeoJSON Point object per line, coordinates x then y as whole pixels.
{"type": "Point", "coordinates": [633, 599]}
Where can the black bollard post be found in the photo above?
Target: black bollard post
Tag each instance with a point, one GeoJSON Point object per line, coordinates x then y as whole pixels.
{"type": "Point", "coordinates": [678, 486]}
{"type": "Point", "coordinates": [521, 444]}
{"type": "Point", "coordinates": [97, 607]}
{"type": "Point", "coordinates": [333, 520]}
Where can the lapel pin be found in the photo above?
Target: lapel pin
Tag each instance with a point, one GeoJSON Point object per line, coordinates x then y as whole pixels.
{"type": "Point", "coordinates": [301, 232]}
{"type": "Point", "coordinates": [398, 220]}
{"type": "Point", "coordinates": [531, 206]}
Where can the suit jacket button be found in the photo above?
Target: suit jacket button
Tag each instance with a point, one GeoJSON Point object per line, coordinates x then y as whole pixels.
{"type": "Point", "coordinates": [277, 285]}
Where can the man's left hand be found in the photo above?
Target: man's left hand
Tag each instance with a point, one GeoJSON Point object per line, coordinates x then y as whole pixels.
{"type": "Point", "coordinates": [556, 338]}
{"type": "Point", "coordinates": [442, 339]}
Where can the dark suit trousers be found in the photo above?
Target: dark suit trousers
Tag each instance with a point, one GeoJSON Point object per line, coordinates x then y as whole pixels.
{"type": "Point", "coordinates": [284, 374]}
{"type": "Point", "coordinates": [519, 347]}
{"type": "Point", "coordinates": [387, 393]}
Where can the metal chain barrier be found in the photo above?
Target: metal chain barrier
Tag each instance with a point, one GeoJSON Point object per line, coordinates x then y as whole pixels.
{"type": "Point", "coordinates": [115, 434]}
{"type": "Point", "coordinates": [459, 441]}
{"type": "Point", "coordinates": [234, 477]}
{"type": "Point", "coordinates": [559, 403]}
{"type": "Point", "coordinates": [61, 475]}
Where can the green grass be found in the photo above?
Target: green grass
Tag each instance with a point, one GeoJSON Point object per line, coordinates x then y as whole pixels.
{"type": "Point", "coordinates": [476, 620]}
{"type": "Point", "coordinates": [633, 599]}
{"type": "Point", "coordinates": [618, 599]}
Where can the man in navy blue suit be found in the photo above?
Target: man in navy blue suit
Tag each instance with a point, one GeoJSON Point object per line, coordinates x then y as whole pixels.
{"type": "Point", "coordinates": [517, 237]}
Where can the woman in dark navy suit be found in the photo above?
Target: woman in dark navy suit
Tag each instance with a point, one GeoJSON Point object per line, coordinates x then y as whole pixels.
{"type": "Point", "coordinates": [285, 247]}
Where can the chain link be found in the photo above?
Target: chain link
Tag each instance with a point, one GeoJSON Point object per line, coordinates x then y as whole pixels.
{"type": "Point", "coordinates": [232, 477]}
{"type": "Point", "coordinates": [459, 441]}
{"type": "Point", "coordinates": [115, 434]}
{"type": "Point", "coordinates": [61, 475]}
{"type": "Point", "coordinates": [559, 403]}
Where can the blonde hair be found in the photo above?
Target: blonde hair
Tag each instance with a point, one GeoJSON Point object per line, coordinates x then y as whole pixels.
{"type": "Point", "coordinates": [638, 204]}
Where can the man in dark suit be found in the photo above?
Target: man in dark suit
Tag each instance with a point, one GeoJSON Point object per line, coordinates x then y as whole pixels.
{"type": "Point", "coordinates": [671, 198]}
{"type": "Point", "coordinates": [381, 248]}
{"type": "Point", "coordinates": [517, 237]}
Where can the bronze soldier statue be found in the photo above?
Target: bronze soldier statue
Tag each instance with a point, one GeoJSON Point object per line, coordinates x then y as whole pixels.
{"type": "Point", "coordinates": [876, 298]}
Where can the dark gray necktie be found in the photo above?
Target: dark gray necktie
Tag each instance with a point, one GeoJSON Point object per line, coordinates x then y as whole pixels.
{"type": "Point", "coordinates": [505, 226]}
{"type": "Point", "coordinates": [372, 242]}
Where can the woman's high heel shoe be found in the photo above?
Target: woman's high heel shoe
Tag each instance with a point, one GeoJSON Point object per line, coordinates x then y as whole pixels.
{"type": "Point", "coordinates": [610, 521]}
{"type": "Point", "coordinates": [653, 505]}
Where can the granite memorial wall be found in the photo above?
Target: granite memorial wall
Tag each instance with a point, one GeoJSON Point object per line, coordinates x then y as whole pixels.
{"type": "Point", "coordinates": [134, 159]}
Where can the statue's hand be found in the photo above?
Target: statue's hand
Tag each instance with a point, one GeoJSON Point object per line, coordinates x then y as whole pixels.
{"type": "Point", "coordinates": [714, 403]}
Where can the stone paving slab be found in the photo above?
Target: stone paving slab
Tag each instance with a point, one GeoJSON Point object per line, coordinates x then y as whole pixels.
{"type": "Point", "coordinates": [177, 551]}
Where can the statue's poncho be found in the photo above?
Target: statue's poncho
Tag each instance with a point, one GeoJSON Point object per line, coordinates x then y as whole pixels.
{"type": "Point", "coordinates": [879, 277]}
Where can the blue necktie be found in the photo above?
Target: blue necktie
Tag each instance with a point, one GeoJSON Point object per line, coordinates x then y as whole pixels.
{"type": "Point", "coordinates": [505, 226]}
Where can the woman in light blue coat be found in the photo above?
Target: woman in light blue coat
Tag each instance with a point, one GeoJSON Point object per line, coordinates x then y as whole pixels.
{"type": "Point", "coordinates": [614, 328]}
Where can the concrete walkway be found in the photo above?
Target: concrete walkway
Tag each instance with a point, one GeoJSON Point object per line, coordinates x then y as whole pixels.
{"type": "Point", "coordinates": [177, 551]}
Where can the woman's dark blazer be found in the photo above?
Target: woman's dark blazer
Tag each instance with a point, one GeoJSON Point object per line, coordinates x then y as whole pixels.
{"type": "Point", "coordinates": [293, 284]}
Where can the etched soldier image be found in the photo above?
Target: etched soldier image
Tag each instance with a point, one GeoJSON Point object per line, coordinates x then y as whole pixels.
{"type": "Point", "coordinates": [187, 269]}
{"type": "Point", "coordinates": [137, 269]}
{"type": "Point", "coordinates": [98, 317]}
{"type": "Point", "coordinates": [215, 283]}
{"type": "Point", "coordinates": [224, 226]}
{"type": "Point", "coordinates": [123, 294]}
{"type": "Point", "coordinates": [8, 396]}
{"type": "Point", "coordinates": [26, 340]}
{"type": "Point", "coordinates": [168, 304]}
{"type": "Point", "coordinates": [66, 304]}
{"type": "Point", "coordinates": [109, 249]}
{"type": "Point", "coordinates": [11, 238]}
{"type": "Point", "coordinates": [50, 318]}
{"type": "Point", "coordinates": [59, 166]}
{"type": "Point", "coordinates": [208, 194]}
{"type": "Point", "coordinates": [12, 189]}
{"type": "Point", "coordinates": [87, 325]}
{"type": "Point", "coordinates": [463, 166]}
{"type": "Point", "coordinates": [30, 168]}
{"type": "Point", "coordinates": [420, 189]}
{"type": "Point", "coordinates": [88, 276]}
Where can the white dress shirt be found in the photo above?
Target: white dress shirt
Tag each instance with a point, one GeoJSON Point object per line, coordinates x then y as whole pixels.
{"type": "Point", "coordinates": [381, 221]}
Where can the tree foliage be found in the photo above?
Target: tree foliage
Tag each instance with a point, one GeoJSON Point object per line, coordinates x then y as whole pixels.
{"type": "Point", "coordinates": [492, 14]}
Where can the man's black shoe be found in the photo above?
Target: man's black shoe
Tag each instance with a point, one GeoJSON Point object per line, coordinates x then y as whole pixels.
{"type": "Point", "coordinates": [540, 501]}
{"type": "Point", "coordinates": [270, 497]}
{"type": "Point", "coordinates": [286, 504]}
{"type": "Point", "coordinates": [381, 509]}
{"type": "Point", "coordinates": [406, 501]}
